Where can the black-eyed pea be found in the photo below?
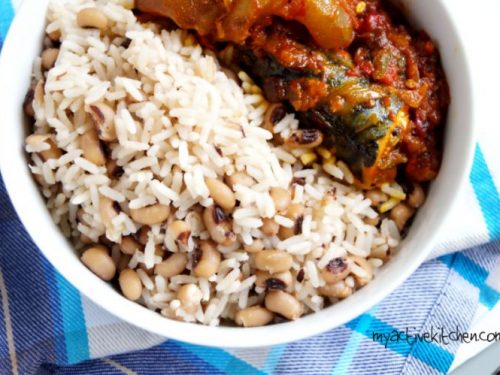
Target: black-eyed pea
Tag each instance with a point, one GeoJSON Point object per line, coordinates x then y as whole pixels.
{"type": "Point", "coordinates": [36, 94]}
{"type": "Point", "coordinates": [295, 212]}
{"type": "Point", "coordinates": [254, 316]}
{"type": "Point", "coordinates": [98, 260]}
{"type": "Point", "coordinates": [372, 221]}
{"type": "Point", "coordinates": [170, 313]}
{"type": "Point", "coordinates": [273, 115]}
{"type": "Point", "coordinates": [269, 227]}
{"type": "Point", "coordinates": [381, 252]}
{"type": "Point", "coordinates": [284, 304]}
{"type": "Point", "coordinates": [280, 280]}
{"type": "Point", "coordinates": [239, 178]}
{"type": "Point", "coordinates": [273, 261]}
{"type": "Point", "coordinates": [206, 259]}
{"type": "Point", "coordinates": [92, 18]}
{"type": "Point", "coordinates": [49, 57]}
{"type": "Point", "coordinates": [113, 169]}
{"type": "Point", "coordinates": [28, 102]}
{"type": "Point", "coordinates": [376, 196]}
{"type": "Point", "coordinates": [281, 198]}
{"type": "Point", "coordinates": [285, 233]}
{"type": "Point", "coordinates": [256, 246]}
{"type": "Point", "coordinates": [85, 239]}
{"type": "Point", "coordinates": [416, 198]}
{"type": "Point", "coordinates": [401, 214]}
{"type": "Point", "coordinates": [39, 91]}
{"type": "Point", "coordinates": [361, 269]}
{"type": "Point", "coordinates": [123, 262]}
{"type": "Point", "coordinates": [190, 297]}
{"type": "Point", "coordinates": [305, 138]}
{"type": "Point", "coordinates": [91, 147]}
{"type": "Point", "coordinates": [338, 290]}
{"type": "Point", "coordinates": [179, 231]}
{"type": "Point", "coordinates": [104, 120]}
{"type": "Point", "coordinates": [260, 278]}
{"type": "Point", "coordinates": [130, 284]}
{"type": "Point", "coordinates": [80, 216]}
{"type": "Point", "coordinates": [221, 194]}
{"type": "Point", "coordinates": [276, 279]}
{"type": "Point", "coordinates": [147, 271]}
{"type": "Point", "coordinates": [129, 245]}
{"type": "Point", "coordinates": [108, 209]}
{"type": "Point", "coordinates": [150, 215]}
{"type": "Point", "coordinates": [160, 250]}
{"type": "Point", "coordinates": [55, 35]}
{"type": "Point", "coordinates": [143, 235]}
{"type": "Point", "coordinates": [336, 270]}
{"type": "Point", "coordinates": [53, 152]}
{"type": "Point", "coordinates": [219, 225]}
{"type": "Point", "coordinates": [172, 266]}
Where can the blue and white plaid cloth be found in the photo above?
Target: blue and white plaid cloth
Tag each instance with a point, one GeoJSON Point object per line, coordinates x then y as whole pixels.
{"type": "Point", "coordinates": [47, 327]}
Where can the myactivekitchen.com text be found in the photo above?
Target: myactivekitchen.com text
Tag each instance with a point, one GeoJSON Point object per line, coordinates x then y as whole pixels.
{"type": "Point", "coordinates": [438, 335]}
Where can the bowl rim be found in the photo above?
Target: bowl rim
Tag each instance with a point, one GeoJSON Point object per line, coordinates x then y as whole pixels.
{"type": "Point", "coordinates": [103, 295]}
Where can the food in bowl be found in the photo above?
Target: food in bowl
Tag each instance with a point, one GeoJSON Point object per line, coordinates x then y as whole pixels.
{"type": "Point", "coordinates": [198, 193]}
{"type": "Point", "coordinates": [350, 68]}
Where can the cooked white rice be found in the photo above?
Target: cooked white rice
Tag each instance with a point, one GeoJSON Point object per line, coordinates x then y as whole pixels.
{"type": "Point", "coordinates": [180, 119]}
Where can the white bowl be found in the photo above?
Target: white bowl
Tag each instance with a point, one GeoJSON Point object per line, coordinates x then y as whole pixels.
{"type": "Point", "coordinates": [24, 44]}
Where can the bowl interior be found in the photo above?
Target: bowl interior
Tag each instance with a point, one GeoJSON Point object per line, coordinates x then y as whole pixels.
{"type": "Point", "coordinates": [15, 71]}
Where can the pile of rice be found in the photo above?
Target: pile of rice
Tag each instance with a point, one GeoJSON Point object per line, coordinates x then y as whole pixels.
{"type": "Point", "coordinates": [180, 119]}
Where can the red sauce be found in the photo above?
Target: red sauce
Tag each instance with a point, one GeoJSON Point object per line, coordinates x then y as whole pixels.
{"type": "Point", "coordinates": [380, 58]}
{"type": "Point", "coordinates": [387, 51]}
